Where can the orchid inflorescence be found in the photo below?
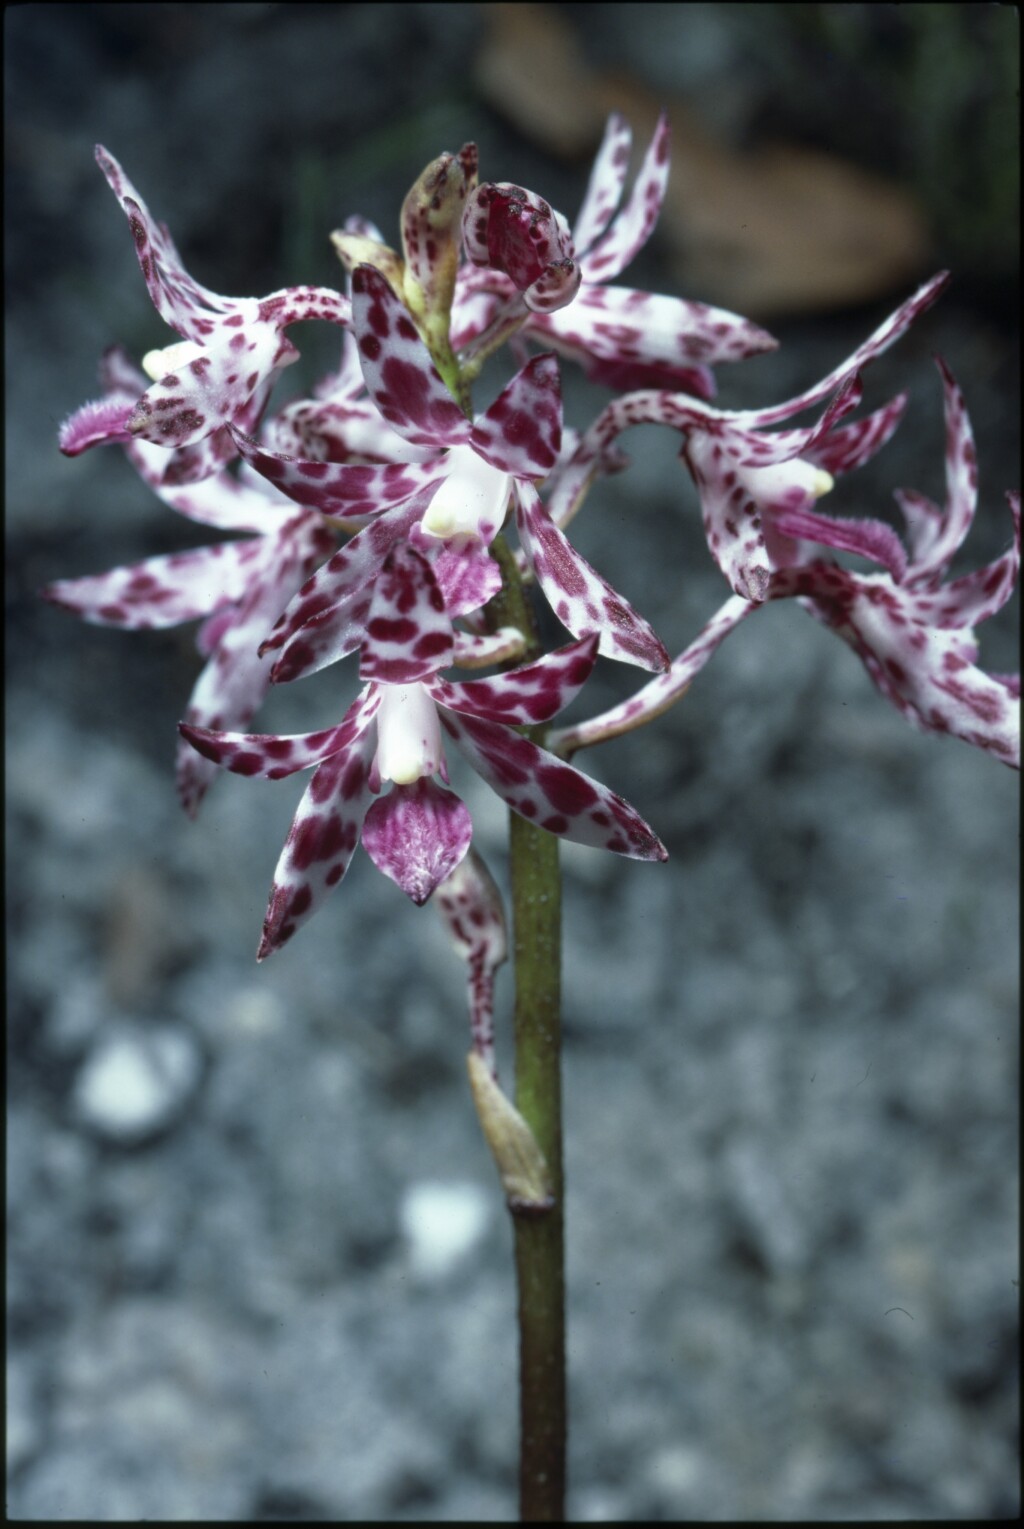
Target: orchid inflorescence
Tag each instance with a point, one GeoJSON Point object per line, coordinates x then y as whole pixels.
{"type": "Point", "coordinates": [376, 514]}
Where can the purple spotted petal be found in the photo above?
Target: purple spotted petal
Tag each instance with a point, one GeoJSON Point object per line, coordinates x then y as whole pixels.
{"type": "Point", "coordinates": [180, 300]}
{"type": "Point", "coordinates": [660, 693]}
{"type": "Point", "coordinates": [554, 795]}
{"type": "Point", "coordinates": [408, 630]}
{"type": "Point", "coordinates": [951, 528]}
{"type": "Point", "coordinates": [521, 433]}
{"type": "Point", "coordinates": [273, 756]}
{"type": "Point", "coordinates": [320, 843]}
{"type": "Point", "coordinates": [972, 599]}
{"type": "Point", "coordinates": [635, 223]}
{"type": "Point", "coordinates": [887, 333]}
{"type": "Point", "coordinates": [534, 693]}
{"type": "Point", "coordinates": [417, 835]}
{"type": "Point", "coordinates": [732, 519]}
{"type": "Point", "coordinates": [643, 329]}
{"type": "Point", "coordinates": [850, 446]}
{"type": "Point", "coordinates": [605, 187]}
{"type": "Point", "coordinates": [400, 376]}
{"type": "Point", "coordinates": [349, 491]}
{"type": "Point", "coordinates": [235, 679]}
{"type": "Point", "coordinates": [927, 672]}
{"type": "Point", "coordinates": [162, 591]}
{"type": "Point", "coordinates": [581, 599]}
{"type": "Point", "coordinates": [327, 618]}
{"type": "Point", "coordinates": [471, 910]}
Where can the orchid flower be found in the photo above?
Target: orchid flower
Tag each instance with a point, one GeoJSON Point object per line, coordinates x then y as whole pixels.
{"type": "Point", "coordinates": [756, 489]}
{"type": "Point", "coordinates": [621, 337]}
{"type": "Point", "coordinates": [914, 636]}
{"type": "Point", "coordinates": [474, 468]}
{"type": "Point", "coordinates": [240, 586]}
{"type": "Point", "coordinates": [419, 832]}
{"type": "Point", "coordinates": [221, 370]}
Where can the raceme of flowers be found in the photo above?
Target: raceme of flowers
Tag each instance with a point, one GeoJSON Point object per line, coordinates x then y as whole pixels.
{"type": "Point", "coordinates": [375, 518]}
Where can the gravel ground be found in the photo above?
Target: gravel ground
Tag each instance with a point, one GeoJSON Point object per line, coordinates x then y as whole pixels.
{"type": "Point", "coordinates": [258, 1266]}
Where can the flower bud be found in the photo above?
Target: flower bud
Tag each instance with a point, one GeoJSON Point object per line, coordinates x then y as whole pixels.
{"type": "Point", "coordinates": [524, 1171]}
{"type": "Point", "coordinates": [514, 231]}
{"type": "Point", "coordinates": [431, 224]}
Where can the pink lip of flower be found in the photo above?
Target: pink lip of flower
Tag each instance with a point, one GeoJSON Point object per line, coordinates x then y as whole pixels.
{"type": "Point", "coordinates": [241, 586]}
{"type": "Point", "coordinates": [623, 338]}
{"type": "Point", "coordinates": [914, 636]}
{"type": "Point", "coordinates": [233, 348]}
{"type": "Point", "coordinates": [419, 832]}
{"type": "Point", "coordinates": [514, 442]}
{"type": "Point", "coordinates": [755, 488]}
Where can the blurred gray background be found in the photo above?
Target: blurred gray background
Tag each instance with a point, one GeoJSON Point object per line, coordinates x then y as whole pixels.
{"type": "Point", "coordinates": [258, 1263]}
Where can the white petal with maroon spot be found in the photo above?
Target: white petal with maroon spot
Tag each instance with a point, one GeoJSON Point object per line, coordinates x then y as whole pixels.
{"type": "Point", "coordinates": [521, 432]}
{"type": "Point", "coordinates": [408, 630]}
{"type": "Point", "coordinates": [350, 491]}
{"type": "Point", "coordinates": [660, 693]}
{"type": "Point", "coordinates": [954, 522]}
{"type": "Point", "coordinates": [417, 835]}
{"type": "Point", "coordinates": [547, 791]}
{"type": "Point", "coordinates": [620, 325]}
{"type": "Point", "coordinates": [471, 910]}
{"type": "Point", "coordinates": [273, 756]}
{"type": "Point", "coordinates": [534, 693]}
{"type": "Point", "coordinates": [581, 599]}
{"type": "Point", "coordinates": [632, 228]}
{"type": "Point", "coordinates": [161, 591]}
{"type": "Point", "coordinates": [320, 843]}
{"type": "Point", "coordinates": [327, 618]}
{"type": "Point", "coordinates": [400, 376]}
{"type": "Point", "coordinates": [605, 186]}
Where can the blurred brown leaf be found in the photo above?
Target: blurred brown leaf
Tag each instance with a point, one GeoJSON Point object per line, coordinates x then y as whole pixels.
{"type": "Point", "coordinates": [784, 229]}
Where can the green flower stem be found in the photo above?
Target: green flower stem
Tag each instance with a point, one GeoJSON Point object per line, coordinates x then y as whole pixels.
{"type": "Point", "coordinates": [539, 1231]}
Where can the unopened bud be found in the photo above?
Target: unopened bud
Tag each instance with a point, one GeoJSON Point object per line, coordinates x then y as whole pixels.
{"type": "Point", "coordinates": [521, 1163]}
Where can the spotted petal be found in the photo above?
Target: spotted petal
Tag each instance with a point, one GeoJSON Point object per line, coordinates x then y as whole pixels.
{"type": "Point", "coordinates": [400, 376]}
{"type": "Point", "coordinates": [327, 618]}
{"type": "Point", "coordinates": [634, 224]}
{"type": "Point", "coordinates": [928, 672]}
{"type": "Point", "coordinates": [236, 677]}
{"type": "Point", "coordinates": [473, 916]}
{"type": "Point", "coordinates": [350, 491]}
{"type": "Point", "coordinates": [887, 333]}
{"type": "Point", "coordinates": [321, 841]}
{"type": "Point", "coordinates": [581, 599]}
{"type": "Point", "coordinates": [521, 432]}
{"type": "Point", "coordinates": [547, 791]}
{"type": "Point", "coordinates": [939, 537]}
{"type": "Point", "coordinates": [161, 591]}
{"type": "Point", "coordinates": [534, 693]}
{"type": "Point", "coordinates": [607, 179]}
{"type": "Point", "coordinates": [417, 835]}
{"type": "Point", "coordinates": [661, 692]}
{"type": "Point", "coordinates": [408, 630]}
{"type": "Point", "coordinates": [635, 330]}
